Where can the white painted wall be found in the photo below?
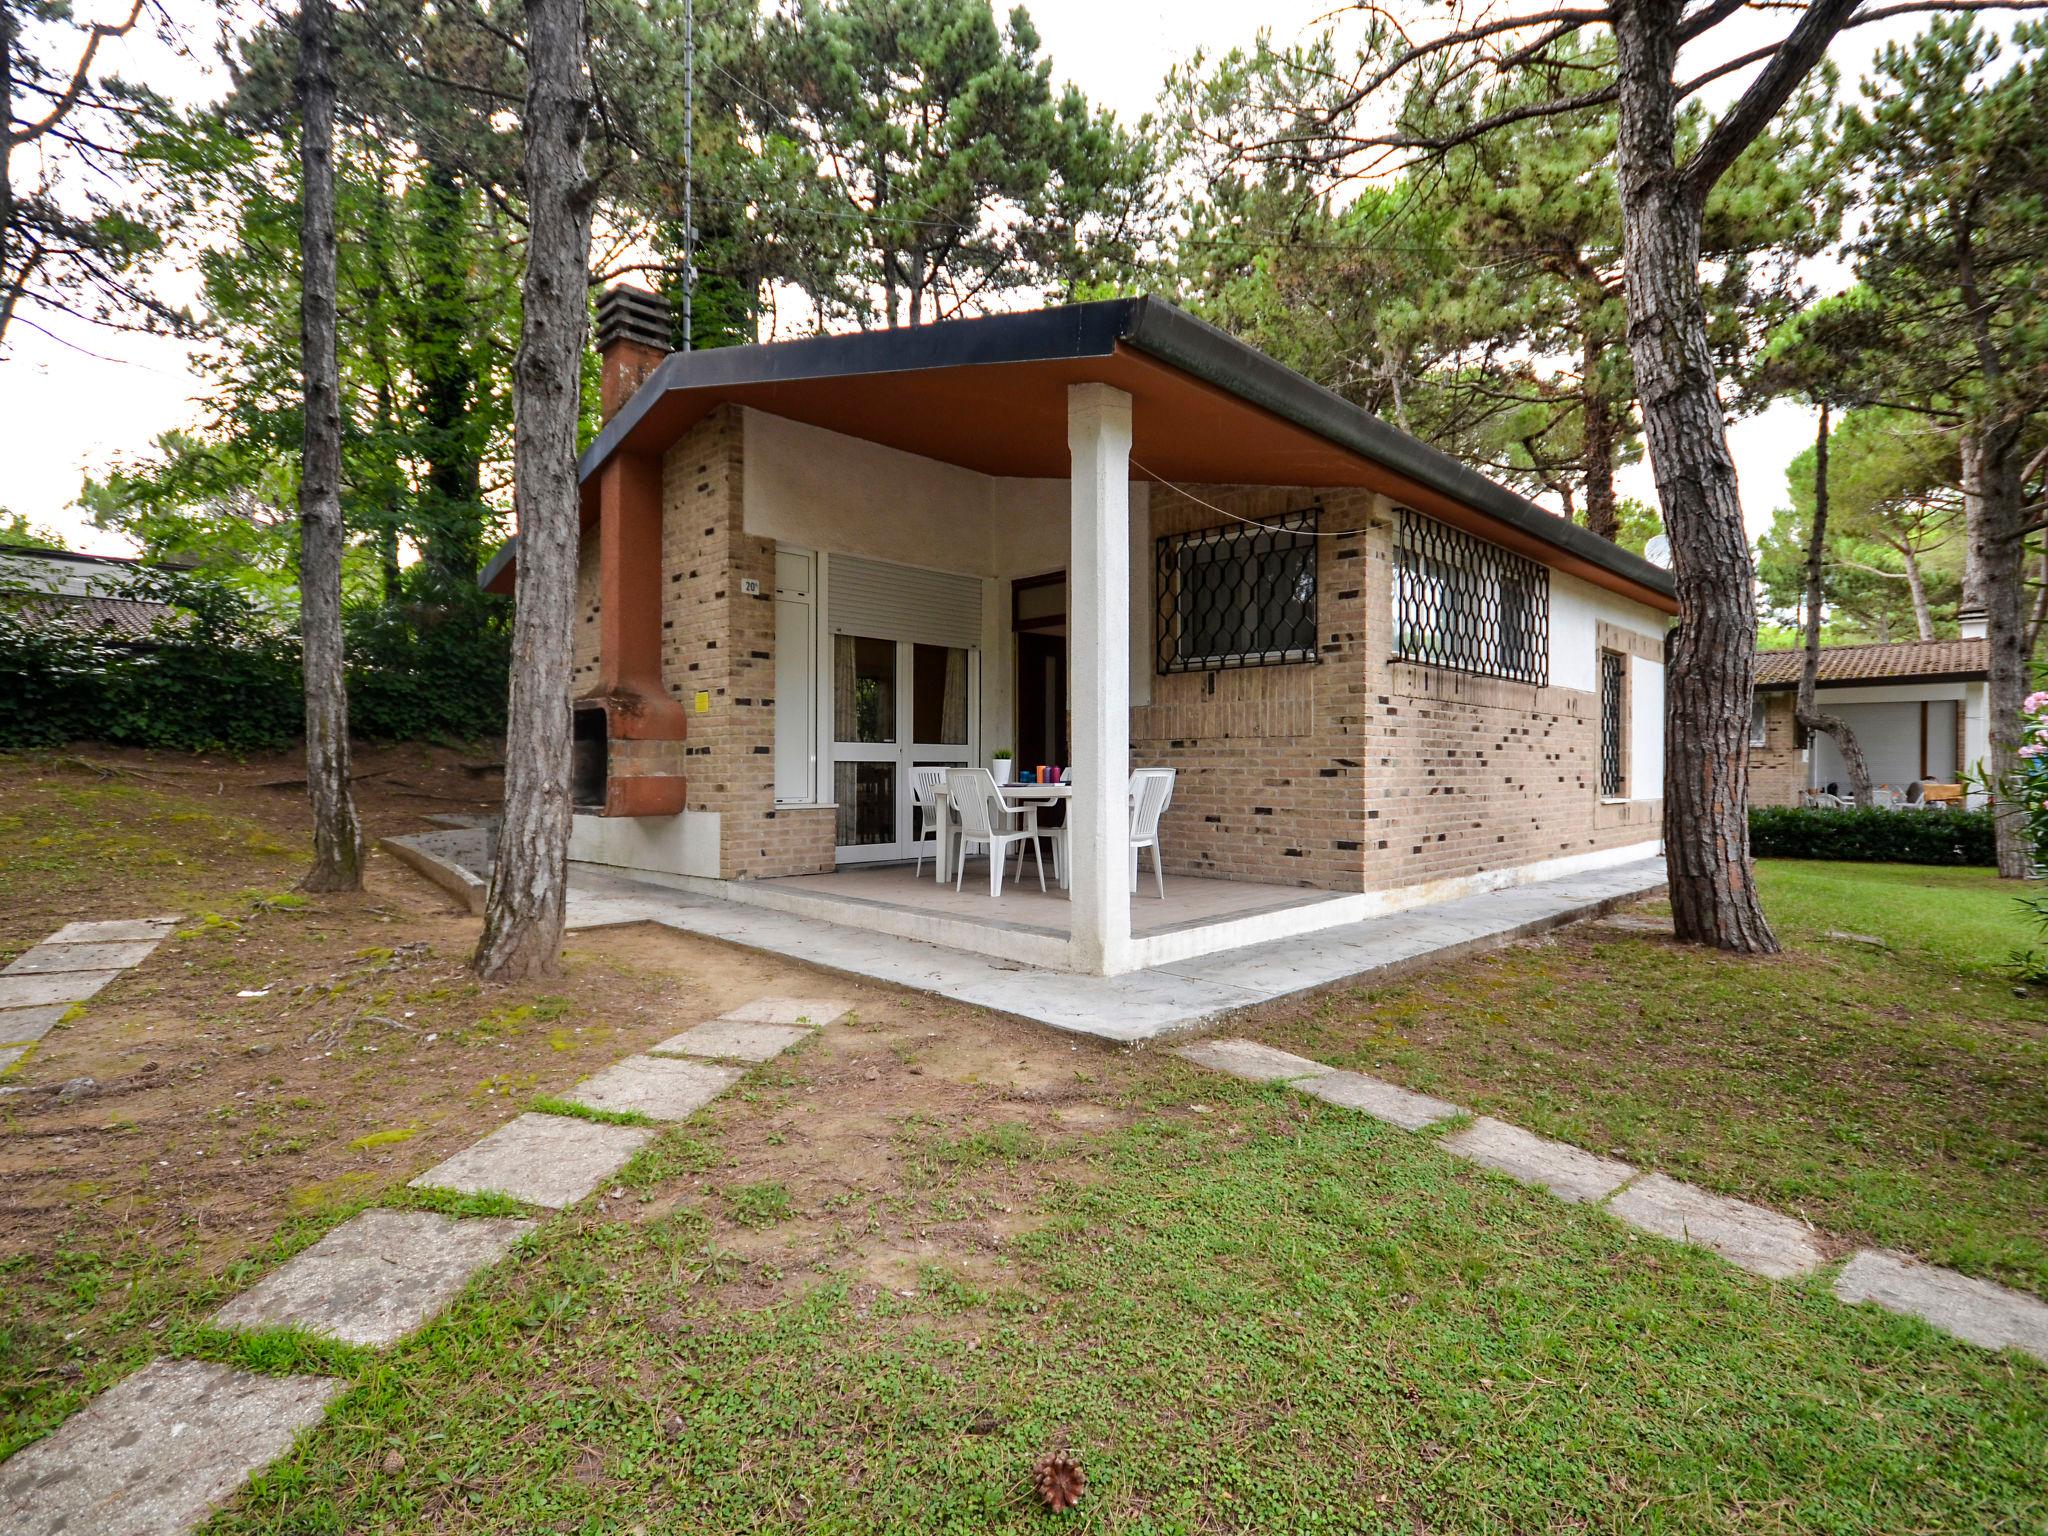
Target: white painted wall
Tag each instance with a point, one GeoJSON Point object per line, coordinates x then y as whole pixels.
{"type": "Point", "coordinates": [1645, 729]}
{"type": "Point", "coordinates": [1576, 609]}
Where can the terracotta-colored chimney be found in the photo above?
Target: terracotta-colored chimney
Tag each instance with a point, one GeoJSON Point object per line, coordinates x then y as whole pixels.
{"type": "Point", "coordinates": [632, 340]}
{"type": "Point", "coordinates": [628, 751]}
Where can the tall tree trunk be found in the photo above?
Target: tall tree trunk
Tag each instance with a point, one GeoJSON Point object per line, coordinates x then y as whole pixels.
{"type": "Point", "coordinates": [337, 836]}
{"type": "Point", "coordinates": [529, 887]}
{"type": "Point", "coordinates": [1997, 534]}
{"type": "Point", "coordinates": [1916, 586]}
{"type": "Point", "coordinates": [1712, 661]}
{"type": "Point", "coordinates": [1598, 434]}
{"type": "Point", "coordinates": [1807, 711]}
{"type": "Point", "coordinates": [8, 29]}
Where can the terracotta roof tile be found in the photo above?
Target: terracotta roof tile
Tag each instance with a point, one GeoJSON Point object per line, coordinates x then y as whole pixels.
{"type": "Point", "coordinates": [1948, 659]}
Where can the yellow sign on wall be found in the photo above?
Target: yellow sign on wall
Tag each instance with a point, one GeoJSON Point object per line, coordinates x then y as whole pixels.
{"type": "Point", "coordinates": [703, 703]}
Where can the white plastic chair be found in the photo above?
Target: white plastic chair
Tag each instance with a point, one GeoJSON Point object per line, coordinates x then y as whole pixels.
{"type": "Point", "coordinates": [1151, 794]}
{"type": "Point", "coordinates": [924, 785]}
{"type": "Point", "coordinates": [985, 819]}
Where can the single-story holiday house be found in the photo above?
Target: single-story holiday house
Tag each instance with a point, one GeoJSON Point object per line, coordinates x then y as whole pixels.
{"type": "Point", "coordinates": [1920, 710]}
{"type": "Point", "coordinates": [100, 594]}
{"type": "Point", "coordinates": [1105, 537]}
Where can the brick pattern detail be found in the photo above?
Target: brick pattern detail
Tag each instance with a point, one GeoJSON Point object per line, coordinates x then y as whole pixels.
{"type": "Point", "coordinates": [1362, 772]}
{"type": "Point", "coordinates": [719, 642]}
{"type": "Point", "coordinates": [583, 657]}
{"type": "Point", "coordinates": [1271, 768]}
{"type": "Point", "coordinates": [1777, 771]}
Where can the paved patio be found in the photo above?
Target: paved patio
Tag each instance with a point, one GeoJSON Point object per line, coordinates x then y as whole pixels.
{"type": "Point", "coordinates": [1141, 1005]}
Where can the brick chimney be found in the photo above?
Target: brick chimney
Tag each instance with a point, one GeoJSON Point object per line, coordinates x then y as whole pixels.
{"type": "Point", "coordinates": [632, 340]}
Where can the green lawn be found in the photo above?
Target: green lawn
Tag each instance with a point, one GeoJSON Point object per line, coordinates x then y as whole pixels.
{"type": "Point", "coordinates": [1891, 1095]}
{"type": "Point", "coordinates": [1274, 1316]}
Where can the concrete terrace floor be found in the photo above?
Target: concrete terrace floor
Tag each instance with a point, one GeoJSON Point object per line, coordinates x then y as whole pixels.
{"type": "Point", "coordinates": [1143, 1005]}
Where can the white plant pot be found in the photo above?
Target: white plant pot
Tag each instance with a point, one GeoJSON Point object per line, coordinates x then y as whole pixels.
{"type": "Point", "coordinates": [1001, 768]}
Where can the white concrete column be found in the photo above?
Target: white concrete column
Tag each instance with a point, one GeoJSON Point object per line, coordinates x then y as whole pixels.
{"type": "Point", "coordinates": [1976, 708]}
{"type": "Point", "coordinates": [1099, 673]}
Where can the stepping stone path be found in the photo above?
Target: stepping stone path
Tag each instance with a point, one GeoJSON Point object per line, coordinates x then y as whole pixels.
{"type": "Point", "coordinates": [1567, 1172]}
{"type": "Point", "coordinates": [733, 1042]}
{"type": "Point", "coordinates": [1763, 1242]}
{"type": "Point", "coordinates": [550, 1160]}
{"type": "Point", "coordinates": [159, 1451]}
{"type": "Point", "coordinates": [659, 1087]}
{"type": "Point", "coordinates": [1747, 1236]}
{"type": "Point", "coordinates": [72, 964]}
{"type": "Point", "coordinates": [1973, 1310]}
{"type": "Point", "coordinates": [1383, 1101]}
{"type": "Point", "coordinates": [376, 1277]}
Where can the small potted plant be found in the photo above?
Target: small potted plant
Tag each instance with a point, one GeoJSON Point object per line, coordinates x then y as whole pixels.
{"type": "Point", "coordinates": [999, 764]}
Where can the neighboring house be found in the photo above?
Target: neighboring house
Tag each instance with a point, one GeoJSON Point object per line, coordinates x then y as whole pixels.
{"type": "Point", "coordinates": [92, 592]}
{"type": "Point", "coordinates": [1918, 707]}
{"type": "Point", "coordinates": [1110, 536]}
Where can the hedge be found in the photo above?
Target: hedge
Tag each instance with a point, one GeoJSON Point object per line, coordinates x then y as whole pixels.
{"type": "Point", "coordinates": [1871, 836]}
{"type": "Point", "coordinates": [222, 673]}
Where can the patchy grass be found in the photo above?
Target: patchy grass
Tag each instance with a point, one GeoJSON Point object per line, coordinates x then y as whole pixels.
{"type": "Point", "coordinates": [1897, 1095]}
{"type": "Point", "coordinates": [1277, 1316]}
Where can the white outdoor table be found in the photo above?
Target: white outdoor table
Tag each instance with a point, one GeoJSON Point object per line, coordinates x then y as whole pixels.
{"type": "Point", "coordinates": [1022, 796]}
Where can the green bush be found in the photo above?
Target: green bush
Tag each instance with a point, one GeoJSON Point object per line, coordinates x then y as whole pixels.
{"type": "Point", "coordinates": [222, 673]}
{"type": "Point", "coordinates": [1872, 836]}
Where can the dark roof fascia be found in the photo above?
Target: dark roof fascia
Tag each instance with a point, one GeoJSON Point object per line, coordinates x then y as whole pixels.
{"type": "Point", "coordinates": [1895, 680]}
{"type": "Point", "coordinates": [1151, 326]}
{"type": "Point", "coordinates": [1195, 347]}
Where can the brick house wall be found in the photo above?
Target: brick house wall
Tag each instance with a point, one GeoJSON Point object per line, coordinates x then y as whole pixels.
{"type": "Point", "coordinates": [718, 658]}
{"type": "Point", "coordinates": [1778, 769]}
{"type": "Point", "coordinates": [1364, 772]}
{"type": "Point", "coordinates": [1271, 760]}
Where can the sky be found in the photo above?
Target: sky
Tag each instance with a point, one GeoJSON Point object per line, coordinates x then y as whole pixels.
{"type": "Point", "coordinates": [75, 402]}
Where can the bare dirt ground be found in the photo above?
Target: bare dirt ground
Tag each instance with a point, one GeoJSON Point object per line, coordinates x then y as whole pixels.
{"type": "Point", "coordinates": [282, 1060]}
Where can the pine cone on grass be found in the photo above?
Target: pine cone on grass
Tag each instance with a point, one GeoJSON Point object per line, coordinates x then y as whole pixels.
{"type": "Point", "coordinates": [1059, 1480]}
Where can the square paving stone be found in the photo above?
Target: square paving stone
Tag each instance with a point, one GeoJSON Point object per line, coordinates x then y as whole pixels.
{"type": "Point", "coordinates": [1250, 1060]}
{"type": "Point", "coordinates": [57, 987]}
{"type": "Point", "coordinates": [376, 1277]}
{"type": "Point", "coordinates": [734, 1041]}
{"type": "Point", "coordinates": [660, 1088]}
{"type": "Point", "coordinates": [551, 1160]}
{"type": "Point", "coordinates": [47, 957]}
{"type": "Point", "coordinates": [10, 1054]}
{"type": "Point", "coordinates": [21, 1025]}
{"type": "Point", "coordinates": [1383, 1101]}
{"type": "Point", "coordinates": [1971, 1309]}
{"type": "Point", "coordinates": [1747, 1236]}
{"type": "Point", "coordinates": [814, 1011]}
{"type": "Point", "coordinates": [157, 1452]}
{"type": "Point", "coordinates": [122, 930]}
{"type": "Point", "coordinates": [1567, 1172]}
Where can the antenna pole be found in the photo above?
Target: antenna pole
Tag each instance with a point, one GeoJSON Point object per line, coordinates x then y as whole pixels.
{"type": "Point", "coordinates": [689, 166]}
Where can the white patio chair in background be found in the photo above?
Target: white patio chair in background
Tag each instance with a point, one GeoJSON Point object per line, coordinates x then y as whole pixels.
{"type": "Point", "coordinates": [1151, 794]}
{"type": "Point", "coordinates": [984, 819]}
{"type": "Point", "coordinates": [924, 784]}
{"type": "Point", "coordinates": [1885, 798]}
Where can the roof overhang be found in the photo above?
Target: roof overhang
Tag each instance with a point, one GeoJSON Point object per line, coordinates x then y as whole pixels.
{"type": "Point", "coordinates": [1897, 680]}
{"type": "Point", "coordinates": [991, 395]}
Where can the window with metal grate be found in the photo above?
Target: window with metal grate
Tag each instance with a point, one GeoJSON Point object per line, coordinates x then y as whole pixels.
{"type": "Point", "coordinates": [1613, 689]}
{"type": "Point", "coordinates": [1465, 604]}
{"type": "Point", "coordinates": [1238, 596]}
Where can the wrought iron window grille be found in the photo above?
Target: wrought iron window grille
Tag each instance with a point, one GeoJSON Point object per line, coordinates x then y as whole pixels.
{"type": "Point", "coordinates": [1467, 605]}
{"type": "Point", "coordinates": [1242, 595]}
{"type": "Point", "coordinates": [1613, 770]}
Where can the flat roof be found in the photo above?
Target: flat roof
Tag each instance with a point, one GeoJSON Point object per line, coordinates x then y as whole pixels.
{"type": "Point", "coordinates": [989, 394]}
